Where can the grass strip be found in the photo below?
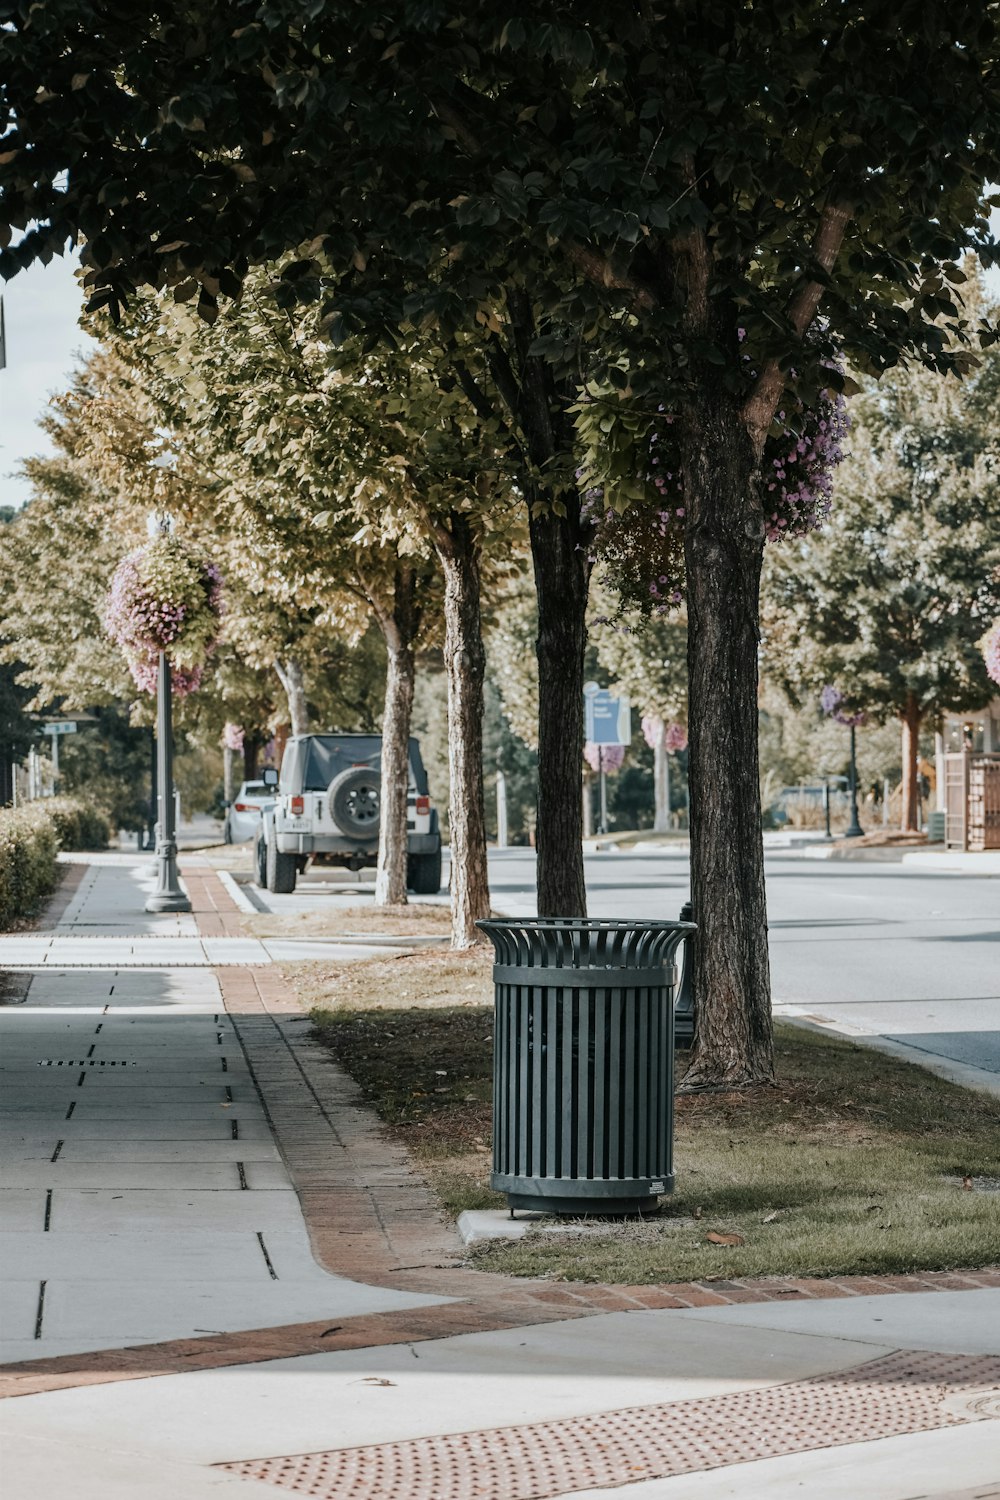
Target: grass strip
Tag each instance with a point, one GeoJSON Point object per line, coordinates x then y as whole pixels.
{"type": "Point", "coordinates": [855, 1163]}
{"type": "Point", "coordinates": [415, 919]}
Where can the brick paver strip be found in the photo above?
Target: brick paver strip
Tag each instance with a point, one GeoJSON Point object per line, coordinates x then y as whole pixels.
{"type": "Point", "coordinates": [890, 1396]}
{"type": "Point", "coordinates": [213, 908]}
{"type": "Point", "coordinates": [371, 1216]}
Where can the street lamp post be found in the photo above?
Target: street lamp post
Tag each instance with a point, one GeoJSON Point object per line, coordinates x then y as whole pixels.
{"type": "Point", "coordinates": [855, 830]}
{"type": "Point", "coordinates": [168, 895]}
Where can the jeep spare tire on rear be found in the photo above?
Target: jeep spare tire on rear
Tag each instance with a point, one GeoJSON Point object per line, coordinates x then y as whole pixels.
{"type": "Point", "coordinates": [355, 803]}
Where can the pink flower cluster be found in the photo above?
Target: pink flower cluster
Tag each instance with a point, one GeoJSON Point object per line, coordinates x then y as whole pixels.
{"type": "Point", "coordinates": [674, 736]}
{"type": "Point", "coordinates": [145, 672]}
{"type": "Point", "coordinates": [135, 617]}
{"type": "Point", "coordinates": [610, 757]}
{"type": "Point", "coordinates": [799, 490]}
{"type": "Point", "coordinates": [832, 703]}
{"type": "Point", "coordinates": [164, 599]}
{"type": "Point", "coordinates": [991, 652]}
{"type": "Point", "coordinates": [643, 547]}
{"type": "Point", "coordinates": [232, 737]}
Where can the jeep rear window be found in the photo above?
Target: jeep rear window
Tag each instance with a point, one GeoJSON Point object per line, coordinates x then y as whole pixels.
{"type": "Point", "coordinates": [328, 755]}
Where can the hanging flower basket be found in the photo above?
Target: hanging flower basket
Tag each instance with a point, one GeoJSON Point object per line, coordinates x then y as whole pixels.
{"type": "Point", "coordinates": [672, 737]}
{"type": "Point", "coordinates": [604, 757]}
{"type": "Point", "coordinates": [165, 598]}
{"type": "Point", "coordinates": [991, 652]}
{"type": "Point", "coordinates": [232, 737]}
{"type": "Point", "coordinates": [834, 705]}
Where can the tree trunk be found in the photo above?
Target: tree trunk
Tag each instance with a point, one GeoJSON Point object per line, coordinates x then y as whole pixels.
{"type": "Point", "coordinates": [465, 660]}
{"type": "Point", "coordinates": [559, 553]}
{"type": "Point", "coordinates": [661, 780]}
{"type": "Point", "coordinates": [252, 744]}
{"type": "Point", "coordinates": [723, 552]}
{"type": "Point", "coordinates": [291, 677]}
{"type": "Point", "coordinates": [588, 806]}
{"type": "Point", "coordinates": [909, 792]}
{"type": "Point", "coordinates": [227, 775]}
{"type": "Point", "coordinates": [399, 627]}
{"type": "Point", "coordinates": [539, 409]}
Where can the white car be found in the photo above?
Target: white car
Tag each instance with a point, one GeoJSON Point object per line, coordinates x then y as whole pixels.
{"type": "Point", "coordinates": [243, 815]}
{"type": "Point", "coordinates": [328, 810]}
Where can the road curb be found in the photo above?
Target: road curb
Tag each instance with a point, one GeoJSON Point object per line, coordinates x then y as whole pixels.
{"type": "Point", "coordinates": [964, 1074]}
{"type": "Point", "coordinates": [236, 892]}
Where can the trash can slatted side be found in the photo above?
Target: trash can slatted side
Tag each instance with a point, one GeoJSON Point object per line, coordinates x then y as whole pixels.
{"type": "Point", "coordinates": [583, 1073]}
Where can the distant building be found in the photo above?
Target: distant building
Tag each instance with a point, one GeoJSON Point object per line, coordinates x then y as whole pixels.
{"type": "Point", "coordinates": [967, 755]}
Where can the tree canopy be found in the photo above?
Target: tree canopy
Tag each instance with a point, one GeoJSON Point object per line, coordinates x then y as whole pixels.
{"type": "Point", "coordinates": [889, 602]}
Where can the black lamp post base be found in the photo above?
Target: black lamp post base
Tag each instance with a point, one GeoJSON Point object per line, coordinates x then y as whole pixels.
{"type": "Point", "coordinates": [168, 902]}
{"type": "Point", "coordinates": [168, 895]}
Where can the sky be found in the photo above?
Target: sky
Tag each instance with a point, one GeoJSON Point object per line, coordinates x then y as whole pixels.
{"type": "Point", "coordinates": [44, 341]}
{"type": "Point", "coordinates": [41, 309]}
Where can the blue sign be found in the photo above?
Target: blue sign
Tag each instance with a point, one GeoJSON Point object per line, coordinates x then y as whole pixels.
{"type": "Point", "coordinates": [609, 720]}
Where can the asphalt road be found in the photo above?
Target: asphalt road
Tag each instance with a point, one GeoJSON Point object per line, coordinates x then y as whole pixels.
{"type": "Point", "coordinates": [882, 949]}
{"type": "Point", "coordinates": [877, 949]}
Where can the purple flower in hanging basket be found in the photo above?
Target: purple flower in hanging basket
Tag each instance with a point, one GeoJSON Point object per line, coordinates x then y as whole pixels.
{"type": "Point", "coordinates": [991, 652]}
{"type": "Point", "coordinates": [165, 598]}
{"type": "Point", "coordinates": [642, 546]}
{"type": "Point", "coordinates": [610, 757]}
{"type": "Point", "coordinates": [653, 729]}
{"type": "Point", "coordinates": [831, 699]}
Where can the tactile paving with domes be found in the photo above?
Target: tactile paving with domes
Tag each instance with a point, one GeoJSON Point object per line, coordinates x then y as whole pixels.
{"type": "Point", "coordinates": [896, 1394]}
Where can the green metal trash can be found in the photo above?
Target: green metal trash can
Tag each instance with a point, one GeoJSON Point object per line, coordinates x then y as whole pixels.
{"type": "Point", "coordinates": [583, 1063]}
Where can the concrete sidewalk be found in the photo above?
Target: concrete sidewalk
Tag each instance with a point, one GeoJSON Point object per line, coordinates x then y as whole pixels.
{"type": "Point", "coordinates": [224, 1280]}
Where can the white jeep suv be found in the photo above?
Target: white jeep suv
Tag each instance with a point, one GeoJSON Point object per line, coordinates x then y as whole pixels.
{"type": "Point", "coordinates": [328, 808]}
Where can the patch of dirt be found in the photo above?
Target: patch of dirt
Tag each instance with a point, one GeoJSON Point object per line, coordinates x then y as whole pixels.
{"type": "Point", "coordinates": [419, 919]}
{"type": "Point", "coordinates": [890, 838]}
{"type": "Point", "coordinates": [432, 980]}
{"type": "Point", "coordinates": [14, 988]}
{"type": "Point", "coordinates": [464, 1128]}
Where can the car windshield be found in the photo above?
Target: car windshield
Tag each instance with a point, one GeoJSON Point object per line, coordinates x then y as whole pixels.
{"type": "Point", "coordinates": [257, 789]}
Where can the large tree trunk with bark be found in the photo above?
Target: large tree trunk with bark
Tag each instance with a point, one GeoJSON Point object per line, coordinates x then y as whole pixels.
{"type": "Point", "coordinates": [559, 552]}
{"type": "Point", "coordinates": [399, 624]}
{"type": "Point", "coordinates": [910, 790]}
{"type": "Point", "coordinates": [723, 552]}
{"type": "Point", "coordinates": [457, 548]}
{"type": "Point", "coordinates": [292, 679]}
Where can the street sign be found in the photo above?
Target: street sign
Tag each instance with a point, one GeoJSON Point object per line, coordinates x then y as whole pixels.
{"type": "Point", "coordinates": [609, 720]}
{"type": "Point", "coordinates": [63, 726]}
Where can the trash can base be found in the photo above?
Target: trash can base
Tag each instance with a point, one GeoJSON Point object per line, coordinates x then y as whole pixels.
{"type": "Point", "coordinates": [579, 1208]}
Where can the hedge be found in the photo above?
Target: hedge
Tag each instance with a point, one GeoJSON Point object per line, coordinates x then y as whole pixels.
{"type": "Point", "coordinates": [77, 825]}
{"type": "Point", "coordinates": [30, 839]}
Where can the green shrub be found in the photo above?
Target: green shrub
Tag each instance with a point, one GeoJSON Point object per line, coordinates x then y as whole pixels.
{"type": "Point", "coordinates": [28, 849]}
{"type": "Point", "coordinates": [78, 825]}
{"type": "Point", "coordinates": [30, 840]}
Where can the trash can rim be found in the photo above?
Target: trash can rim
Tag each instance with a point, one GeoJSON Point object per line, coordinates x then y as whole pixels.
{"type": "Point", "coordinates": [587, 924]}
